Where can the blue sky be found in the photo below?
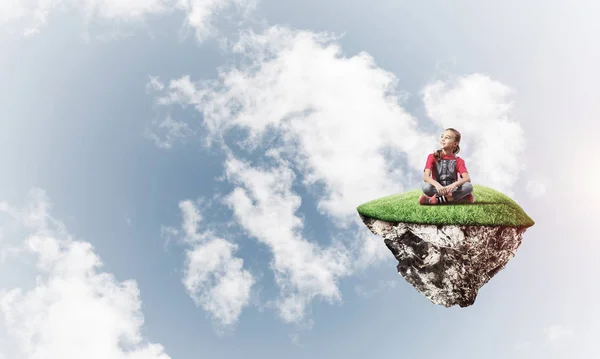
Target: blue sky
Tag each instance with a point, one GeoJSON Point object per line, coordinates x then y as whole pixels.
{"type": "Point", "coordinates": [180, 178]}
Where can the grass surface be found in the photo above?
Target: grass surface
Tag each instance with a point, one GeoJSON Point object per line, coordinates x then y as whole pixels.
{"type": "Point", "coordinates": [491, 208]}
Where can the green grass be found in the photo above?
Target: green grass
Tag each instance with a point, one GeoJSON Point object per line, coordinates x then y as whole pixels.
{"type": "Point", "coordinates": [491, 208]}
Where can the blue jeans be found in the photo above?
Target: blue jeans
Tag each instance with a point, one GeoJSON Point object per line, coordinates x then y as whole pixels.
{"type": "Point", "coordinates": [458, 193]}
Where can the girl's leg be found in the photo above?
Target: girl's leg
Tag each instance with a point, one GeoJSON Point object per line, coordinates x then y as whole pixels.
{"type": "Point", "coordinates": [462, 191]}
{"type": "Point", "coordinates": [433, 197]}
{"type": "Point", "coordinates": [428, 189]}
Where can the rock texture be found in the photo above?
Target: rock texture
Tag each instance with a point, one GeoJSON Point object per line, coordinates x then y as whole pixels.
{"type": "Point", "coordinates": [448, 263]}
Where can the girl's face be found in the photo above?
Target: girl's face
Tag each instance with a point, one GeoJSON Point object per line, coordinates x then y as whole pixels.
{"type": "Point", "coordinates": [447, 140]}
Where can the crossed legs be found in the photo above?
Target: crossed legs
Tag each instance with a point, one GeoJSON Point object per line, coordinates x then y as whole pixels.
{"type": "Point", "coordinates": [457, 194]}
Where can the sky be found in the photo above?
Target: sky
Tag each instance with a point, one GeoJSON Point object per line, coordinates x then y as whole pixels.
{"type": "Point", "coordinates": [180, 177]}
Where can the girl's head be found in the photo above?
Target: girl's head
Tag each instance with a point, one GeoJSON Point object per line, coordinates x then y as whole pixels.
{"type": "Point", "coordinates": [450, 139]}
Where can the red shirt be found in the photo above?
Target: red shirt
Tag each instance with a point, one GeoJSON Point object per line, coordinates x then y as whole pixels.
{"type": "Point", "coordinates": [460, 164]}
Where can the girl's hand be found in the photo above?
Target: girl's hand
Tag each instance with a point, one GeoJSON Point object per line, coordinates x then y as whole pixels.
{"type": "Point", "coordinates": [449, 188]}
{"type": "Point", "coordinates": [441, 189]}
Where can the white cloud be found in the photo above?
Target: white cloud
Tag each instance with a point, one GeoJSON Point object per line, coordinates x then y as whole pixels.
{"type": "Point", "coordinates": [335, 118]}
{"type": "Point", "coordinates": [480, 109]}
{"type": "Point", "coordinates": [73, 310]}
{"type": "Point", "coordinates": [557, 332]}
{"type": "Point", "coordinates": [369, 249]}
{"type": "Point", "coordinates": [154, 84]}
{"type": "Point", "coordinates": [127, 10]}
{"type": "Point", "coordinates": [164, 133]}
{"type": "Point", "coordinates": [213, 277]}
{"type": "Point", "coordinates": [200, 13]}
{"type": "Point", "coordinates": [228, 291]}
{"type": "Point", "coordinates": [264, 205]}
{"type": "Point", "coordinates": [338, 114]}
{"type": "Point", "coordinates": [33, 15]}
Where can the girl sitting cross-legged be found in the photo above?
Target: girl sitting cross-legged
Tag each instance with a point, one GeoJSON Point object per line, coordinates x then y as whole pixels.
{"type": "Point", "coordinates": [441, 173]}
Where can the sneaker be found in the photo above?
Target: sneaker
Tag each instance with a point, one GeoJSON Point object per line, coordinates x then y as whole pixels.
{"type": "Point", "coordinates": [468, 198]}
{"type": "Point", "coordinates": [437, 199]}
{"type": "Point", "coordinates": [423, 199]}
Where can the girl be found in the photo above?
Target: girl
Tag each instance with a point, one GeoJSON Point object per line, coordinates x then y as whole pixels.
{"type": "Point", "coordinates": [442, 166]}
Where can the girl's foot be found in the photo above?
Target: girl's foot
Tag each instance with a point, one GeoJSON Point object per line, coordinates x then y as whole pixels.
{"type": "Point", "coordinates": [467, 199]}
{"type": "Point", "coordinates": [437, 199]}
{"type": "Point", "coordinates": [423, 199]}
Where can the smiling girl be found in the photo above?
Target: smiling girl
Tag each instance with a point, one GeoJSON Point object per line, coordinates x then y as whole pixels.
{"type": "Point", "coordinates": [441, 181]}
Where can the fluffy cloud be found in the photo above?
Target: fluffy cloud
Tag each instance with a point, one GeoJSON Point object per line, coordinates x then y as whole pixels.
{"type": "Point", "coordinates": [32, 15]}
{"type": "Point", "coordinates": [213, 276]}
{"type": "Point", "coordinates": [339, 122]}
{"type": "Point", "coordinates": [265, 206]}
{"type": "Point", "coordinates": [200, 13]}
{"type": "Point", "coordinates": [337, 114]}
{"type": "Point", "coordinates": [480, 109]}
{"type": "Point", "coordinates": [216, 281]}
{"type": "Point", "coordinates": [73, 310]}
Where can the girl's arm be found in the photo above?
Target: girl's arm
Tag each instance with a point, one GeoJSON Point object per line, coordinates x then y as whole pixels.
{"type": "Point", "coordinates": [464, 178]}
{"type": "Point", "coordinates": [427, 178]}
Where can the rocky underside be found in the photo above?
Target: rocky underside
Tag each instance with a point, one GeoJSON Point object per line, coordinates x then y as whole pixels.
{"type": "Point", "coordinates": [448, 263]}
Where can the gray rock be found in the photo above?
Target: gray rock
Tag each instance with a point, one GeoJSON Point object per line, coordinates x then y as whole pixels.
{"type": "Point", "coordinates": [448, 263]}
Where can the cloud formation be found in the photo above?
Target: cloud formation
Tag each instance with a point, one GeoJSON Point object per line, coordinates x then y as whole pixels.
{"type": "Point", "coordinates": [265, 205]}
{"type": "Point", "coordinates": [73, 310]}
{"type": "Point", "coordinates": [480, 109]}
{"type": "Point", "coordinates": [30, 16]}
{"type": "Point", "coordinates": [213, 277]}
{"type": "Point", "coordinates": [339, 123]}
{"type": "Point", "coordinates": [201, 12]}
{"type": "Point", "coordinates": [166, 132]}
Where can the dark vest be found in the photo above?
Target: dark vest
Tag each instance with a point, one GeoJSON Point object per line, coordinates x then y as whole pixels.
{"type": "Point", "coordinates": [445, 171]}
